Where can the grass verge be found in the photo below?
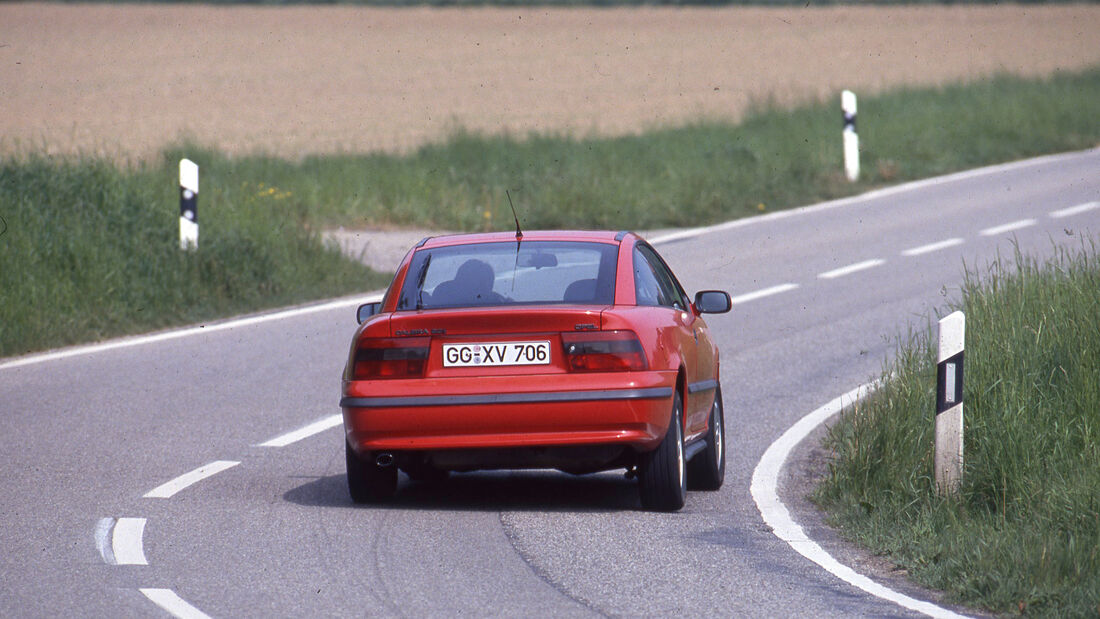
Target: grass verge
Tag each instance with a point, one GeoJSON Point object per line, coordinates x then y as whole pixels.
{"type": "Point", "coordinates": [92, 251]}
{"type": "Point", "coordinates": [685, 176]}
{"type": "Point", "coordinates": [90, 247]}
{"type": "Point", "coordinates": [1023, 534]}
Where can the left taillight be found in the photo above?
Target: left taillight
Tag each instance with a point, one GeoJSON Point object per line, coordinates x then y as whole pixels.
{"type": "Point", "coordinates": [382, 358]}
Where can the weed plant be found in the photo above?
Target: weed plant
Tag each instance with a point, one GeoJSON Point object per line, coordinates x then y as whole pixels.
{"type": "Point", "coordinates": [1023, 533]}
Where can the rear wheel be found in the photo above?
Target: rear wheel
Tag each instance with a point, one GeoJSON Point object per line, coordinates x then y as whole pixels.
{"type": "Point", "coordinates": [707, 470]}
{"type": "Point", "coordinates": [366, 480]}
{"type": "Point", "coordinates": [662, 474]}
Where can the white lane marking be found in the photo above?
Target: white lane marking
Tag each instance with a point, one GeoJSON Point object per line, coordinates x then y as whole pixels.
{"type": "Point", "coordinates": [103, 539]}
{"type": "Point", "coordinates": [764, 489]}
{"type": "Point", "coordinates": [314, 428]}
{"type": "Point", "coordinates": [759, 294]}
{"type": "Point", "coordinates": [871, 195]}
{"type": "Point", "coordinates": [173, 604]}
{"type": "Point", "coordinates": [126, 543]}
{"type": "Point", "coordinates": [187, 332]}
{"type": "Point", "coordinates": [168, 489]}
{"type": "Point", "coordinates": [1075, 210]}
{"type": "Point", "coordinates": [852, 268]}
{"type": "Point", "coordinates": [931, 247]}
{"type": "Point", "coordinates": [1009, 227]}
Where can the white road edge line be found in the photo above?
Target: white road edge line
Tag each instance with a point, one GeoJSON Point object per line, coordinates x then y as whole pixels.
{"type": "Point", "coordinates": [931, 247]}
{"type": "Point", "coordinates": [851, 268]}
{"type": "Point", "coordinates": [764, 489]}
{"type": "Point", "coordinates": [126, 544]}
{"type": "Point", "coordinates": [759, 294]}
{"type": "Point", "coordinates": [1074, 210]}
{"type": "Point", "coordinates": [173, 604]}
{"type": "Point", "coordinates": [314, 428]}
{"type": "Point", "coordinates": [168, 489]}
{"type": "Point", "coordinates": [871, 195]}
{"type": "Point", "coordinates": [187, 332]}
{"type": "Point", "coordinates": [1009, 227]}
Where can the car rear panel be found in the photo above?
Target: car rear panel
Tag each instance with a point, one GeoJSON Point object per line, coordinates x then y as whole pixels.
{"type": "Point", "coordinates": [505, 406]}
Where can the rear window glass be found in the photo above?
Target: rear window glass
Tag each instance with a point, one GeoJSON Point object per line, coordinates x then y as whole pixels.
{"type": "Point", "coordinates": [486, 274]}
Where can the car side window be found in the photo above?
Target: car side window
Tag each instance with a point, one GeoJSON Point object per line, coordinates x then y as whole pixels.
{"type": "Point", "coordinates": [672, 294]}
{"type": "Point", "coordinates": [653, 282]}
{"type": "Point", "coordinates": [647, 290]}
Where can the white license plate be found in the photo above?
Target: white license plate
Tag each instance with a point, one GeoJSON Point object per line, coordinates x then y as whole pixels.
{"type": "Point", "coordinates": [496, 353]}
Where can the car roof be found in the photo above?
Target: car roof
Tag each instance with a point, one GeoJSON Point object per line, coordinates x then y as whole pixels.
{"type": "Point", "coordinates": [591, 236]}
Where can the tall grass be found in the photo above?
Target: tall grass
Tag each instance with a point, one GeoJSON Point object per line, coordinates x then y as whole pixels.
{"type": "Point", "coordinates": [1023, 534]}
{"type": "Point", "coordinates": [684, 176]}
{"type": "Point", "coordinates": [92, 251]}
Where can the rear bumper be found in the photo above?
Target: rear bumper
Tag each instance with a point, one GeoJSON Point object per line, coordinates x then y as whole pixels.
{"type": "Point", "coordinates": [629, 408]}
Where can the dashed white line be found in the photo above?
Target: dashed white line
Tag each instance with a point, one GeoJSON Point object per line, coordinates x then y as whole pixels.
{"type": "Point", "coordinates": [167, 490]}
{"type": "Point", "coordinates": [765, 481]}
{"type": "Point", "coordinates": [314, 428]}
{"type": "Point", "coordinates": [852, 268]}
{"type": "Point", "coordinates": [1009, 227]}
{"type": "Point", "coordinates": [173, 604]}
{"type": "Point", "coordinates": [126, 544]}
{"type": "Point", "coordinates": [931, 247]}
{"type": "Point", "coordinates": [759, 294]}
{"type": "Point", "coordinates": [1075, 210]}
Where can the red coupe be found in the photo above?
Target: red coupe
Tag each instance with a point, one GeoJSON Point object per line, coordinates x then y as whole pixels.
{"type": "Point", "coordinates": [577, 351]}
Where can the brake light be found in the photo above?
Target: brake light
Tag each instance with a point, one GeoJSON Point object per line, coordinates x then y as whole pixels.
{"type": "Point", "coordinates": [603, 351]}
{"type": "Point", "coordinates": [379, 358]}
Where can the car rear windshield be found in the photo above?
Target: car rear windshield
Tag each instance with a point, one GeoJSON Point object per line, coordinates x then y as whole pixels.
{"type": "Point", "coordinates": [525, 273]}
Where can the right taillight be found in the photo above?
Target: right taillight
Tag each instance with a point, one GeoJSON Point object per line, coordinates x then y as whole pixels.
{"type": "Point", "coordinates": [381, 358]}
{"type": "Point", "coordinates": [603, 351]}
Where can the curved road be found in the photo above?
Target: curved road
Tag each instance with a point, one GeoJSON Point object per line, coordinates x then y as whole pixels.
{"type": "Point", "coordinates": [90, 439]}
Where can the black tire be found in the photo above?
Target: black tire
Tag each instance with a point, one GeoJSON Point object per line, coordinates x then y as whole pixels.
{"type": "Point", "coordinates": [707, 470]}
{"type": "Point", "coordinates": [662, 473]}
{"type": "Point", "coordinates": [367, 481]}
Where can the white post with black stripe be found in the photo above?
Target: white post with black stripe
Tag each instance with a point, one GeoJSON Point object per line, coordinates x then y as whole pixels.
{"type": "Point", "coordinates": [948, 459]}
{"type": "Point", "coordinates": [851, 138]}
{"type": "Point", "coordinates": [189, 203]}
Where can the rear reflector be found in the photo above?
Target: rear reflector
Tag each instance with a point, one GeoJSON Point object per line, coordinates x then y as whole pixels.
{"type": "Point", "coordinates": [379, 358]}
{"type": "Point", "coordinates": [603, 351]}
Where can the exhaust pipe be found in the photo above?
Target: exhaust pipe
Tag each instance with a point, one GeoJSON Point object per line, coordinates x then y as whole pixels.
{"type": "Point", "coordinates": [384, 460]}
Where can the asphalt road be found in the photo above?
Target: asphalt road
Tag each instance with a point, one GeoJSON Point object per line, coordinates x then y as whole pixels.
{"type": "Point", "coordinates": [86, 437]}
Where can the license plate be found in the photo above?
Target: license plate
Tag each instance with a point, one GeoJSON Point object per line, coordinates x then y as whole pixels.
{"type": "Point", "coordinates": [496, 354]}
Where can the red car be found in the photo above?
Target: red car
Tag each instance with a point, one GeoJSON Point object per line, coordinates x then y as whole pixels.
{"type": "Point", "coordinates": [577, 351]}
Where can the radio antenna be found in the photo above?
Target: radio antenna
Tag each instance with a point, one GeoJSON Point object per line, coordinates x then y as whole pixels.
{"type": "Point", "coordinates": [519, 233]}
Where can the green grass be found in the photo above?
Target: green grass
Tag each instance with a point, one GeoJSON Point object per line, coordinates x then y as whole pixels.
{"type": "Point", "coordinates": [682, 176]}
{"type": "Point", "coordinates": [90, 250]}
{"type": "Point", "coordinates": [1023, 533]}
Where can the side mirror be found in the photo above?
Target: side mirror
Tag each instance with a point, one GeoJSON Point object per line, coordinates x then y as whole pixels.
{"type": "Point", "coordinates": [367, 310]}
{"type": "Point", "coordinates": [712, 302]}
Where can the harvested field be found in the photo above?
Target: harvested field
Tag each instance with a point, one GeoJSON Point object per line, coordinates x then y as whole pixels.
{"type": "Point", "coordinates": [127, 79]}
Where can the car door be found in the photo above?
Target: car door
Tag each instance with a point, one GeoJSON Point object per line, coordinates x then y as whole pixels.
{"type": "Point", "coordinates": [655, 285]}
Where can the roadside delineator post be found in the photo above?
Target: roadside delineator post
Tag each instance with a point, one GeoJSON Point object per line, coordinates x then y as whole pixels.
{"type": "Point", "coordinates": [851, 138]}
{"type": "Point", "coordinates": [948, 459]}
{"type": "Point", "coordinates": [189, 203]}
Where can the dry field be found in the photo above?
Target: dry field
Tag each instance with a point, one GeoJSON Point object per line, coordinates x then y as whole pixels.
{"type": "Point", "coordinates": [127, 79]}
